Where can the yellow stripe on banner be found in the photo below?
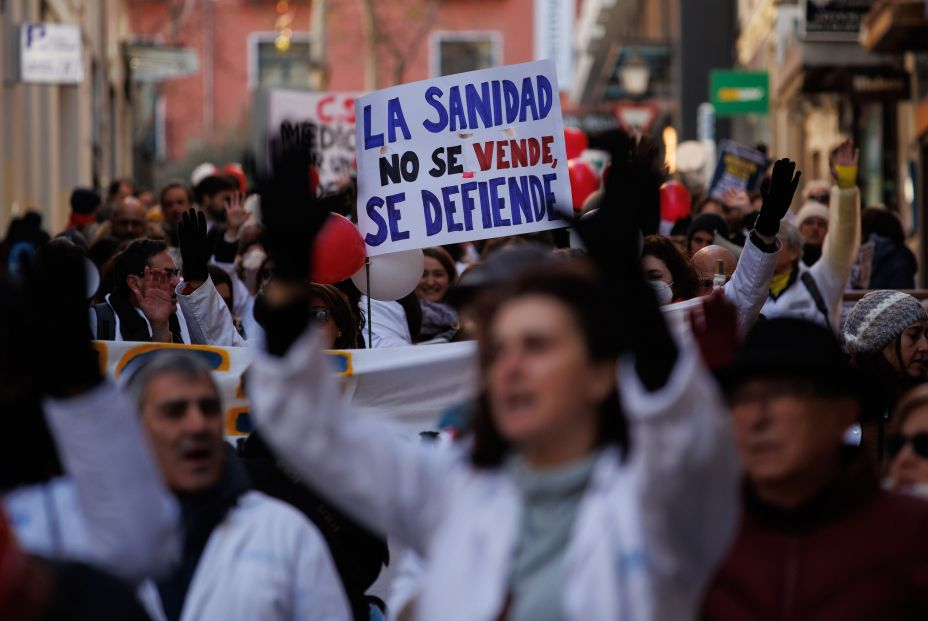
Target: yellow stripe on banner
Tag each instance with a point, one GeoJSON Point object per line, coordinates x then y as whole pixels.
{"type": "Point", "coordinates": [238, 421]}
{"type": "Point", "coordinates": [342, 362]}
{"type": "Point", "coordinates": [217, 357]}
{"type": "Point", "coordinates": [104, 351]}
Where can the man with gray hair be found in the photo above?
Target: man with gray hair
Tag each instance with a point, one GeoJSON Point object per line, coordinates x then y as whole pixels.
{"type": "Point", "coordinates": [245, 555]}
{"type": "Point", "coordinates": [815, 293]}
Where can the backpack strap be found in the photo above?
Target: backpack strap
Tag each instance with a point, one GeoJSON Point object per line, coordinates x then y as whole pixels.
{"type": "Point", "coordinates": [809, 281]}
{"type": "Point", "coordinates": [106, 322]}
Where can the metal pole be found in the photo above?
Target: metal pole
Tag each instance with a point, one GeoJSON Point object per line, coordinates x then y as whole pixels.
{"type": "Point", "coordinates": [370, 337]}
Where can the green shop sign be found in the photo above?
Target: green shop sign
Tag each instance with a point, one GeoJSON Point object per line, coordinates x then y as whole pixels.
{"type": "Point", "coordinates": [736, 93]}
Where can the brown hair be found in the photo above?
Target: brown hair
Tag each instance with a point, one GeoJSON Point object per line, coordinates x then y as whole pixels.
{"type": "Point", "coordinates": [685, 280]}
{"type": "Point", "coordinates": [911, 401]}
{"type": "Point", "coordinates": [444, 257]}
{"type": "Point", "coordinates": [573, 283]}
{"type": "Point", "coordinates": [347, 321]}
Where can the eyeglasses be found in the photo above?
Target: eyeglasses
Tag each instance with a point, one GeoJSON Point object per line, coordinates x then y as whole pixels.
{"type": "Point", "coordinates": [171, 273]}
{"type": "Point", "coordinates": [896, 442]}
{"type": "Point", "coordinates": [320, 315]}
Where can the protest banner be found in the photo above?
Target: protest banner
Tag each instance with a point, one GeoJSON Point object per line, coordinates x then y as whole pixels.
{"type": "Point", "coordinates": [411, 386]}
{"type": "Point", "coordinates": [462, 157]}
{"type": "Point", "coordinates": [323, 121]}
{"type": "Point", "coordinates": [738, 168]}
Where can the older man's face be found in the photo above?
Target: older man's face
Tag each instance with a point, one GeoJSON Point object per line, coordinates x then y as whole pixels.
{"type": "Point", "coordinates": [128, 219]}
{"type": "Point", "coordinates": [784, 431]}
{"type": "Point", "coordinates": [182, 418]}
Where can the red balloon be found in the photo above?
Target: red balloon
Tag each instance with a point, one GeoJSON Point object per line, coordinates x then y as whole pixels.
{"type": "Point", "coordinates": [583, 182]}
{"type": "Point", "coordinates": [338, 251]}
{"type": "Point", "coordinates": [676, 202]}
{"type": "Point", "coordinates": [576, 142]}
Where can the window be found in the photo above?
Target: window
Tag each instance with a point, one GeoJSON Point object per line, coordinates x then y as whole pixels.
{"type": "Point", "coordinates": [457, 52]}
{"type": "Point", "coordinates": [269, 67]}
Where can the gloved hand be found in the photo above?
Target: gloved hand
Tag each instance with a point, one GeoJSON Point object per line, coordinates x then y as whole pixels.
{"type": "Point", "coordinates": [612, 235]}
{"type": "Point", "coordinates": [56, 291]}
{"type": "Point", "coordinates": [194, 248]}
{"type": "Point", "coordinates": [716, 331]}
{"type": "Point", "coordinates": [778, 197]}
{"type": "Point", "coordinates": [291, 213]}
{"type": "Point", "coordinates": [292, 217]}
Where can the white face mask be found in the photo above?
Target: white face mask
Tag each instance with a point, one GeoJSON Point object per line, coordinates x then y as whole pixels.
{"type": "Point", "coordinates": [662, 290]}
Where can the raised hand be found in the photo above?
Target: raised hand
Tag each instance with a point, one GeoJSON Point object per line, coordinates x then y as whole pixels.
{"type": "Point", "coordinates": [290, 211]}
{"type": "Point", "coordinates": [194, 247]}
{"type": "Point", "coordinates": [844, 165]}
{"type": "Point", "coordinates": [236, 215]}
{"type": "Point", "coordinates": [716, 331]}
{"type": "Point", "coordinates": [737, 199]}
{"type": "Point", "coordinates": [631, 208]}
{"type": "Point", "coordinates": [157, 298]}
{"type": "Point", "coordinates": [778, 197]}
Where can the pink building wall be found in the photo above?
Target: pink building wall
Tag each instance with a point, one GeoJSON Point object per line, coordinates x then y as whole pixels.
{"type": "Point", "coordinates": [234, 20]}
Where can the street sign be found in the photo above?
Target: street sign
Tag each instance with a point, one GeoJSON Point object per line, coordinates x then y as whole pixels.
{"type": "Point", "coordinates": [736, 93]}
{"type": "Point", "coordinates": [50, 53]}
{"type": "Point", "coordinates": [833, 20]}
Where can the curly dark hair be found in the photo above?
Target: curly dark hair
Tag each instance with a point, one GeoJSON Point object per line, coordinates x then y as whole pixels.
{"type": "Point", "coordinates": [685, 280]}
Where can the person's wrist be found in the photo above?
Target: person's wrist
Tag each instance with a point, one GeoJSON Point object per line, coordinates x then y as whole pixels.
{"type": "Point", "coordinates": [846, 176]}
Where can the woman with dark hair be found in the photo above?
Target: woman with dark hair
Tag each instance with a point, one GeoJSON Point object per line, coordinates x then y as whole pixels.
{"type": "Point", "coordinates": [332, 313]}
{"type": "Point", "coordinates": [594, 489]}
{"type": "Point", "coordinates": [439, 320]}
{"type": "Point", "coordinates": [668, 270]}
{"type": "Point", "coordinates": [893, 265]}
{"type": "Point", "coordinates": [886, 334]}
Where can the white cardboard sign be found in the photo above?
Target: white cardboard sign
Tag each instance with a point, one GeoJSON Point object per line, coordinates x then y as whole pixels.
{"type": "Point", "coordinates": [462, 157]}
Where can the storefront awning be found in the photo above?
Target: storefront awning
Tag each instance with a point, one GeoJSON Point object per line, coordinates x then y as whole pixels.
{"type": "Point", "coordinates": [896, 26]}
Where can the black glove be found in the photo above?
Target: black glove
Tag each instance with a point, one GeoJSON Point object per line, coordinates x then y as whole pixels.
{"type": "Point", "coordinates": [612, 236]}
{"type": "Point", "coordinates": [291, 214]}
{"type": "Point", "coordinates": [57, 296]}
{"type": "Point", "coordinates": [194, 247]}
{"type": "Point", "coordinates": [778, 197]}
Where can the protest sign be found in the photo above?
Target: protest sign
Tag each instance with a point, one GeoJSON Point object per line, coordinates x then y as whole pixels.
{"type": "Point", "coordinates": [738, 168]}
{"type": "Point", "coordinates": [411, 386]}
{"type": "Point", "coordinates": [462, 157]}
{"type": "Point", "coordinates": [321, 121]}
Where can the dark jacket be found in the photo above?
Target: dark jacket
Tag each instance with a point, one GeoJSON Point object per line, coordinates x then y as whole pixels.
{"type": "Point", "coordinates": [855, 552]}
{"type": "Point", "coordinates": [893, 265]}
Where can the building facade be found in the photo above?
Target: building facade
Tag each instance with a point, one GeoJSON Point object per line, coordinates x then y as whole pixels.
{"type": "Point", "coordinates": [335, 45]}
{"type": "Point", "coordinates": [54, 136]}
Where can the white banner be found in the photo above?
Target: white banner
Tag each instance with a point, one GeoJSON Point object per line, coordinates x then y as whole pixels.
{"type": "Point", "coordinates": [462, 157]}
{"type": "Point", "coordinates": [323, 121]}
{"type": "Point", "coordinates": [412, 386]}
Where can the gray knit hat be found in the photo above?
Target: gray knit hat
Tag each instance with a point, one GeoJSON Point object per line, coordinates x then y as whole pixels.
{"type": "Point", "coordinates": [879, 318]}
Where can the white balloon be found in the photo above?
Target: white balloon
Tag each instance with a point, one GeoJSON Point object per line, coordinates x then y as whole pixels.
{"type": "Point", "coordinates": [393, 275]}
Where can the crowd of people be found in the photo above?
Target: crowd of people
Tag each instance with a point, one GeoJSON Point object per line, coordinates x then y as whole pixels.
{"type": "Point", "coordinates": [769, 461]}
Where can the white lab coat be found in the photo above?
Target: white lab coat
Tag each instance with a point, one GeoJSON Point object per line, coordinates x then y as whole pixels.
{"type": "Point", "coordinates": [749, 286]}
{"type": "Point", "coordinates": [831, 272]}
{"type": "Point", "coordinates": [112, 508]}
{"type": "Point", "coordinates": [203, 316]}
{"type": "Point", "coordinates": [387, 322]}
{"type": "Point", "coordinates": [648, 532]}
{"type": "Point", "coordinates": [265, 561]}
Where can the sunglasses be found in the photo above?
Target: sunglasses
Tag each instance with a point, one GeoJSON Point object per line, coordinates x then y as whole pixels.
{"type": "Point", "coordinates": [896, 442]}
{"type": "Point", "coordinates": [319, 315]}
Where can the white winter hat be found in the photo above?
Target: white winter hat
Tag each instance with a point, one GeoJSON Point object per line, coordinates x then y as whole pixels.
{"type": "Point", "coordinates": [812, 209]}
{"type": "Point", "coordinates": [201, 172]}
